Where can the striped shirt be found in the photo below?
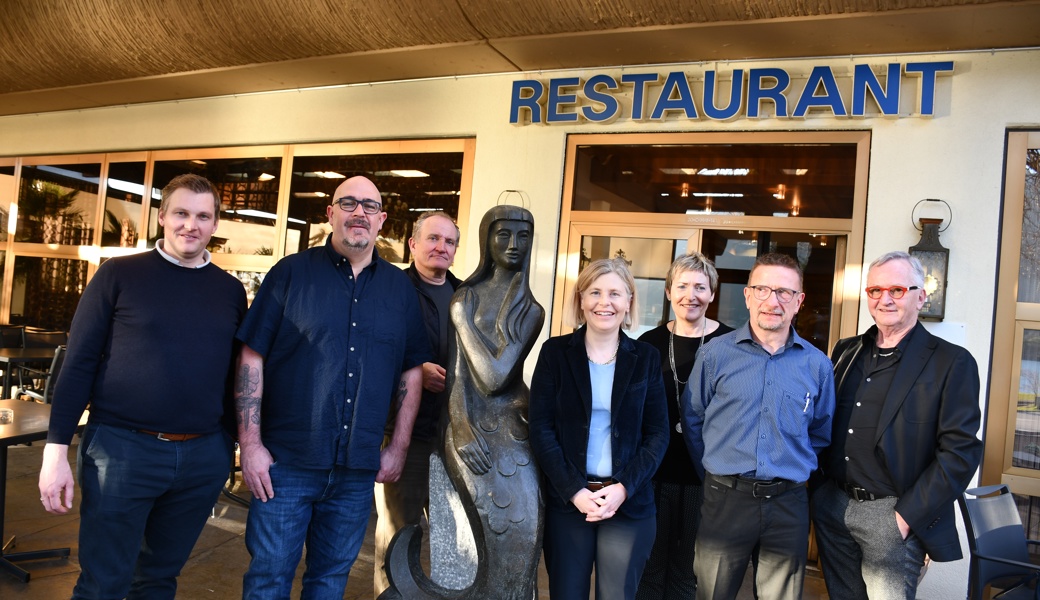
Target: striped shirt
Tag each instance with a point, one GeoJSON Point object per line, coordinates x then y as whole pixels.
{"type": "Point", "coordinates": [750, 413]}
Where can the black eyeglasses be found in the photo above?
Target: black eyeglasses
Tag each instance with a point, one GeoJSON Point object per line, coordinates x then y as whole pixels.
{"type": "Point", "coordinates": [762, 292]}
{"type": "Point", "coordinates": [896, 291]}
{"type": "Point", "coordinates": [349, 204]}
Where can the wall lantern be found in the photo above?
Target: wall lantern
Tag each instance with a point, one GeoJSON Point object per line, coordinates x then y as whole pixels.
{"type": "Point", "coordinates": [936, 262]}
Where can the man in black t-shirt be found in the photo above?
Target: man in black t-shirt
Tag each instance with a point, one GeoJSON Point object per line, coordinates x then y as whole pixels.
{"type": "Point", "coordinates": [435, 238]}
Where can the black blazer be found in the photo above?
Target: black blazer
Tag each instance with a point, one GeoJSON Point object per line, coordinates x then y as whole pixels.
{"type": "Point", "coordinates": [926, 433]}
{"type": "Point", "coordinates": [561, 408]}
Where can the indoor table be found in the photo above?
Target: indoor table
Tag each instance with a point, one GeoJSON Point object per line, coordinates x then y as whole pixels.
{"type": "Point", "coordinates": [12, 357]}
{"type": "Point", "coordinates": [30, 425]}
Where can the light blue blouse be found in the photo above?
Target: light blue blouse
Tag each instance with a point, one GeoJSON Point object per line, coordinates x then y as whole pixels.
{"type": "Point", "coordinates": [598, 459]}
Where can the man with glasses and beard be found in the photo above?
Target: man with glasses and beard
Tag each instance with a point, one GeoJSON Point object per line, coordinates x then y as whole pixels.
{"type": "Point", "coordinates": [757, 412]}
{"type": "Point", "coordinates": [904, 444]}
{"type": "Point", "coordinates": [334, 336]}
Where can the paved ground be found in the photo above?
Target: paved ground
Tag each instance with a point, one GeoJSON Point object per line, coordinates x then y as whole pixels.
{"type": "Point", "coordinates": [216, 565]}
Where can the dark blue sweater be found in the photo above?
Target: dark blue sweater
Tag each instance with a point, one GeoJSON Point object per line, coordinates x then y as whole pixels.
{"type": "Point", "coordinates": [151, 347]}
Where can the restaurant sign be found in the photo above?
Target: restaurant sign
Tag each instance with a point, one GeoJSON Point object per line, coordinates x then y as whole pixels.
{"type": "Point", "coordinates": [752, 94]}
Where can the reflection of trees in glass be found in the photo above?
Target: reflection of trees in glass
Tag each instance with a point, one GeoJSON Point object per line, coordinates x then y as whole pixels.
{"type": "Point", "coordinates": [1029, 265]}
{"type": "Point", "coordinates": [118, 232]}
{"type": "Point", "coordinates": [46, 214]}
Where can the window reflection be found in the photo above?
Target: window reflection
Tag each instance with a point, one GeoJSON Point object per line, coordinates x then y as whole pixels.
{"type": "Point", "coordinates": [46, 291]}
{"type": "Point", "coordinates": [791, 180]}
{"type": "Point", "coordinates": [248, 200]}
{"type": "Point", "coordinates": [409, 184]}
{"type": "Point", "coordinates": [7, 187]}
{"type": "Point", "coordinates": [57, 204]}
{"type": "Point", "coordinates": [1026, 452]}
{"type": "Point", "coordinates": [251, 281]}
{"type": "Point", "coordinates": [125, 192]}
{"type": "Point", "coordinates": [1029, 263]}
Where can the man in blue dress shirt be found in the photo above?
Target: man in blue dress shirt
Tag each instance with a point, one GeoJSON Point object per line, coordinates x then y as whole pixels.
{"type": "Point", "coordinates": [757, 413]}
{"type": "Point", "coordinates": [334, 336]}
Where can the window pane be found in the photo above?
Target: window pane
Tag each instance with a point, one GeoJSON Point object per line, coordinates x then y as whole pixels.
{"type": "Point", "coordinates": [251, 281]}
{"type": "Point", "coordinates": [123, 204]}
{"type": "Point", "coordinates": [734, 253]}
{"type": "Point", "coordinates": [1029, 263]}
{"type": "Point", "coordinates": [648, 259]}
{"type": "Point", "coordinates": [57, 204]}
{"type": "Point", "coordinates": [248, 200]}
{"type": "Point", "coordinates": [7, 191]}
{"type": "Point", "coordinates": [808, 180]}
{"type": "Point", "coordinates": [46, 291]}
{"type": "Point", "coordinates": [1026, 452]}
{"type": "Point", "coordinates": [409, 184]}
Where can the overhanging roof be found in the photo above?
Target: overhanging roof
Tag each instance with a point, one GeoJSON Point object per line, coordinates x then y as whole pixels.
{"type": "Point", "coordinates": [91, 53]}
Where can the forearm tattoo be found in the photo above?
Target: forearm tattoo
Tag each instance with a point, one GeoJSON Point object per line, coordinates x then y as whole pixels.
{"type": "Point", "coordinates": [247, 401]}
{"type": "Point", "coordinates": [402, 391]}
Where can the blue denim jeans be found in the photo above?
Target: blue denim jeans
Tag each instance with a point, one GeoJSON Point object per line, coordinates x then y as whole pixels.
{"type": "Point", "coordinates": [144, 504]}
{"type": "Point", "coordinates": [326, 508]}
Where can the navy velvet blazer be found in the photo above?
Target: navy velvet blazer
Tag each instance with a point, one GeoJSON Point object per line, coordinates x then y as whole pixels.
{"type": "Point", "coordinates": [926, 435]}
{"type": "Point", "coordinates": [561, 408]}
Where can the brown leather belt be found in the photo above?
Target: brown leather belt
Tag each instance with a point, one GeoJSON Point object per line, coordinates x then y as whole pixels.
{"type": "Point", "coordinates": [170, 437]}
{"type": "Point", "coordinates": [597, 485]}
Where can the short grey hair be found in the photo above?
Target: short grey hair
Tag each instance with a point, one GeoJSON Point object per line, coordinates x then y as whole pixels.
{"type": "Point", "coordinates": [417, 228]}
{"type": "Point", "coordinates": [916, 270]}
{"type": "Point", "coordinates": [694, 261]}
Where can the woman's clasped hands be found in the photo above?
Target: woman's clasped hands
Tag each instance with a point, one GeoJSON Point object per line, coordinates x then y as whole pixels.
{"type": "Point", "coordinates": [602, 504]}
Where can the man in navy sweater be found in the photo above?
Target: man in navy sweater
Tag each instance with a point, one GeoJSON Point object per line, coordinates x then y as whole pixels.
{"type": "Point", "coordinates": [150, 350]}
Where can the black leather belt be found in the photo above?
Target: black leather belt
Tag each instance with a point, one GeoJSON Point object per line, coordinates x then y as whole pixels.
{"type": "Point", "coordinates": [857, 493]}
{"type": "Point", "coordinates": [756, 487]}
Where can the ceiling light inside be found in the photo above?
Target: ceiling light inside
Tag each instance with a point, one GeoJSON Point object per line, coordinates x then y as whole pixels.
{"type": "Point", "coordinates": [265, 177]}
{"type": "Point", "coordinates": [408, 173]}
{"type": "Point", "coordinates": [679, 170]}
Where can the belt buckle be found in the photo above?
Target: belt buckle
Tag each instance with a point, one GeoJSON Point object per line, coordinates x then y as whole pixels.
{"type": "Point", "coordinates": [162, 436]}
{"type": "Point", "coordinates": [755, 486]}
{"type": "Point", "coordinates": [859, 494]}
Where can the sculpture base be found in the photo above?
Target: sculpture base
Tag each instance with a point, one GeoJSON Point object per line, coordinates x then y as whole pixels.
{"type": "Point", "coordinates": [453, 551]}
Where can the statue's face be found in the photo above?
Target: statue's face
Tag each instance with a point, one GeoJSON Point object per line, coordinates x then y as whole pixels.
{"type": "Point", "coordinates": [509, 242]}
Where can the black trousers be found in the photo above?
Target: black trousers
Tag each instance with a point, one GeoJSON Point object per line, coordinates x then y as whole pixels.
{"type": "Point", "coordinates": [734, 524]}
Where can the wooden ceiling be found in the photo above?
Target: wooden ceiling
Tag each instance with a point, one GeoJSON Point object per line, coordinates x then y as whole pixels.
{"type": "Point", "coordinates": [90, 53]}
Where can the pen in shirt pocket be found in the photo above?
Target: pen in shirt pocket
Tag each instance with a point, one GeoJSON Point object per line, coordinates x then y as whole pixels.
{"type": "Point", "coordinates": [808, 395]}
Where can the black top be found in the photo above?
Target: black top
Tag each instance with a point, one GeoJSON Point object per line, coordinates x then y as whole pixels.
{"type": "Point", "coordinates": [851, 458]}
{"type": "Point", "coordinates": [677, 466]}
{"type": "Point", "coordinates": [434, 302]}
{"type": "Point", "coordinates": [151, 347]}
{"type": "Point", "coordinates": [334, 348]}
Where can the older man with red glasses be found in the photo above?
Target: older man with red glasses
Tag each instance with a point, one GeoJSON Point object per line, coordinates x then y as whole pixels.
{"type": "Point", "coordinates": [904, 444]}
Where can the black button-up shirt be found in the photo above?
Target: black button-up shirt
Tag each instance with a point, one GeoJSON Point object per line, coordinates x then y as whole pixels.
{"type": "Point", "coordinates": [860, 400]}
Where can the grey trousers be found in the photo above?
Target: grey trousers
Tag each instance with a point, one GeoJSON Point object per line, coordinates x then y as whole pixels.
{"type": "Point", "coordinates": [861, 550]}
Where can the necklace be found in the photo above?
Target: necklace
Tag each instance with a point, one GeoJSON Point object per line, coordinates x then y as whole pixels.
{"type": "Point", "coordinates": [671, 362]}
{"type": "Point", "coordinates": [609, 360]}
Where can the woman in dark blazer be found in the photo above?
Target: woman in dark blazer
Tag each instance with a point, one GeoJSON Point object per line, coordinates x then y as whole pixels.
{"type": "Point", "coordinates": [599, 429]}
